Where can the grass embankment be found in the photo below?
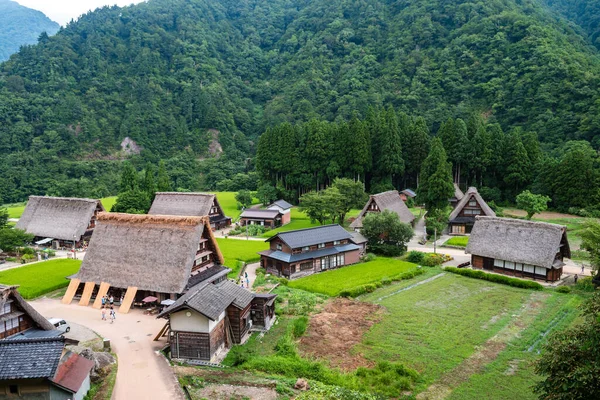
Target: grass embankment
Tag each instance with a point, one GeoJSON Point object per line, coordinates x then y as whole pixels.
{"type": "Point", "coordinates": [229, 204]}
{"type": "Point", "coordinates": [236, 251]}
{"type": "Point", "coordinates": [457, 241]}
{"type": "Point", "coordinates": [40, 278]}
{"type": "Point", "coordinates": [333, 282]}
{"type": "Point", "coordinates": [449, 319]}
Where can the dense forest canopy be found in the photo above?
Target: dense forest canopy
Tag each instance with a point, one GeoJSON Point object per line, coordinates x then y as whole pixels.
{"type": "Point", "coordinates": [181, 78]}
{"type": "Point", "coordinates": [21, 26]}
{"type": "Point", "coordinates": [583, 13]}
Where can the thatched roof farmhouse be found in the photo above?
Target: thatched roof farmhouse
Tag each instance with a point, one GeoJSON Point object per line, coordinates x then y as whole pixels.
{"type": "Point", "coordinates": [519, 247]}
{"type": "Point", "coordinates": [391, 201]}
{"type": "Point", "coordinates": [61, 218]}
{"type": "Point", "coordinates": [462, 218]}
{"type": "Point", "coordinates": [190, 205]}
{"type": "Point", "coordinates": [17, 316]}
{"type": "Point", "coordinates": [152, 254]}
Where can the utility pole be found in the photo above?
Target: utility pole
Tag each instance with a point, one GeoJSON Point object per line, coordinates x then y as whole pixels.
{"type": "Point", "coordinates": [434, 240]}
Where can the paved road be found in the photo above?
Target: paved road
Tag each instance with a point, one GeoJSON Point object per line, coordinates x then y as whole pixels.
{"type": "Point", "coordinates": [142, 374]}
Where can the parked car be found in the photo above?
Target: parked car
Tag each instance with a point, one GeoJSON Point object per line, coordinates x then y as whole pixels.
{"type": "Point", "coordinates": [60, 324]}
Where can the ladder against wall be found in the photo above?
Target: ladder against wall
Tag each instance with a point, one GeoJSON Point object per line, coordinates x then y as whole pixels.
{"type": "Point", "coordinates": [101, 293]}
{"type": "Point", "coordinates": [71, 290]}
{"type": "Point", "coordinates": [128, 300]}
{"type": "Point", "coordinates": [87, 293]}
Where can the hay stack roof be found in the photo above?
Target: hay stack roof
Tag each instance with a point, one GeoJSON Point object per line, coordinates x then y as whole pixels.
{"type": "Point", "coordinates": [8, 293]}
{"type": "Point", "coordinates": [150, 252]}
{"type": "Point", "coordinates": [458, 194]}
{"type": "Point", "coordinates": [58, 217]}
{"type": "Point", "coordinates": [184, 204]}
{"type": "Point", "coordinates": [527, 242]}
{"type": "Point", "coordinates": [386, 201]}
{"type": "Point", "coordinates": [472, 192]}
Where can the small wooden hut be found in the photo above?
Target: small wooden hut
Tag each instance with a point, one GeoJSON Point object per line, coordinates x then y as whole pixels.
{"type": "Point", "coordinates": [191, 205]}
{"type": "Point", "coordinates": [462, 218]}
{"type": "Point", "coordinates": [263, 311]}
{"type": "Point", "coordinates": [146, 255]}
{"type": "Point", "coordinates": [519, 248]}
{"type": "Point", "coordinates": [391, 201]}
{"type": "Point", "coordinates": [60, 221]}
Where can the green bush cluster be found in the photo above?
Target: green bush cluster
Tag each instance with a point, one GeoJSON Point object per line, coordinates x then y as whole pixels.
{"type": "Point", "coordinates": [427, 259]}
{"type": "Point", "coordinates": [251, 230]}
{"type": "Point", "coordinates": [415, 256]}
{"type": "Point", "coordinates": [296, 302]}
{"type": "Point", "coordinates": [505, 280]}
{"type": "Point", "coordinates": [320, 391]}
{"type": "Point", "coordinates": [371, 287]}
{"type": "Point", "coordinates": [583, 284]}
{"type": "Point", "coordinates": [563, 289]}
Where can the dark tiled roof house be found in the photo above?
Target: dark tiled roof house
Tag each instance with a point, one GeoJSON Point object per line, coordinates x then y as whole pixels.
{"type": "Point", "coordinates": [303, 252]}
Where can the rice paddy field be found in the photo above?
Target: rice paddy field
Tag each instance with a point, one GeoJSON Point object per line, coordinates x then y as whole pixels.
{"type": "Point", "coordinates": [40, 278]}
{"type": "Point", "coordinates": [333, 282]}
{"type": "Point", "coordinates": [457, 241]}
{"type": "Point", "coordinates": [236, 250]}
{"type": "Point", "coordinates": [466, 337]}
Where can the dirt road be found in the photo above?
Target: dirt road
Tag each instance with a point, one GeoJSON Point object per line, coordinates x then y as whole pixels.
{"type": "Point", "coordinates": [142, 374]}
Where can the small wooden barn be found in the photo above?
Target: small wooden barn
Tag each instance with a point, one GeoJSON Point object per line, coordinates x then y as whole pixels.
{"type": "Point", "coordinates": [60, 221]}
{"type": "Point", "coordinates": [519, 248]}
{"type": "Point", "coordinates": [210, 318]}
{"type": "Point", "coordinates": [191, 205]}
{"type": "Point", "coordinates": [462, 218]}
{"type": "Point", "coordinates": [267, 218]}
{"type": "Point", "coordinates": [263, 310]}
{"type": "Point", "coordinates": [144, 255]}
{"type": "Point", "coordinates": [284, 208]}
{"type": "Point", "coordinates": [390, 201]}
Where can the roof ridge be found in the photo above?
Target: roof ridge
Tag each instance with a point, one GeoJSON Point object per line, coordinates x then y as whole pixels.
{"type": "Point", "coordinates": [85, 199]}
{"type": "Point", "coordinates": [386, 192]}
{"type": "Point", "coordinates": [186, 193]}
{"type": "Point", "coordinates": [32, 340]}
{"type": "Point", "coordinates": [311, 228]}
{"type": "Point", "coordinates": [516, 221]}
{"type": "Point", "coordinates": [151, 218]}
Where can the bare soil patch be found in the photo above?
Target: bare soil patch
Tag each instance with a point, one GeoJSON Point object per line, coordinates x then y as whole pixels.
{"type": "Point", "coordinates": [333, 333]}
{"type": "Point", "coordinates": [231, 392]}
{"type": "Point", "coordinates": [546, 215]}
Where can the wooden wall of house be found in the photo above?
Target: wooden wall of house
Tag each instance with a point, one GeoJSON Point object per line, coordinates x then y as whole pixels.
{"type": "Point", "coordinates": [284, 247]}
{"type": "Point", "coordinates": [258, 311]}
{"type": "Point", "coordinates": [237, 322]}
{"type": "Point", "coordinates": [217, 337]}
{"type": "Point", "coordinates": [191, 345]}
{"type": "Point", "coordinates": [477, 262]}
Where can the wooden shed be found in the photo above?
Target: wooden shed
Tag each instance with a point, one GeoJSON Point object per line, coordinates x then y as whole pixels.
{"type": "Point", "coordinates": [524, 249]}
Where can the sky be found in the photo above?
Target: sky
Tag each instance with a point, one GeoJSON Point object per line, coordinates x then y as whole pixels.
{"type": "Point", "coordinates": [62, 11]}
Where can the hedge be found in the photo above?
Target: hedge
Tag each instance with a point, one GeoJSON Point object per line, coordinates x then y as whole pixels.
{"type": "Point", "coordinates": [505, 280]}
{"type": "Point", "coordinates": [371, 287]}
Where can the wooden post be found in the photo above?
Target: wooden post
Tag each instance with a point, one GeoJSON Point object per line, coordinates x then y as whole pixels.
{"type": "Point", "coordinates": [87, 293]}
{"type": "Point", "coordinates": [101, 293]}
{"type": "Point", "coordinates": [128, 300]}
{"type": "Point", "coordinates": [71, 290]}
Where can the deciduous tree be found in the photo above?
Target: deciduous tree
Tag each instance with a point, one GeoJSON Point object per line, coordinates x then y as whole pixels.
{"type": "Point", "coordinates": [387, 235]}
{"type": "Point", "coordinates": [532, 203]}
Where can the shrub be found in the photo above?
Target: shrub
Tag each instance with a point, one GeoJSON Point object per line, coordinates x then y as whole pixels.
{"type": "Point", "coordinates": [368, 257]}
{"type": "Point", "coordinates": [238, 355]}
{"type": "Point", "coordinates": [563, 289]}
{"type": "Point", "coordinates": [298, 326]}
{"type": "Point", "coordinates": [433, 259]}
{"type": "Point", "coordinates": [505, 280]}
{"type": "Point", "coordinates": [415, 256]}
{"type": "Point", "coordinates": [583, 284]}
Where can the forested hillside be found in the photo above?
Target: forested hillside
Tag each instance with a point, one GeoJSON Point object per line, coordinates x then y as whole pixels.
{"type": "Point", "coordinates": [181, 77]}
{"type": "Point", "coordinates": [21, 26]}
{"type": "Point", "coordinates": [584, 13]}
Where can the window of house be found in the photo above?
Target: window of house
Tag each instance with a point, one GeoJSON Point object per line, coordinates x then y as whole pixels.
{"type": "Point", "coordinates": [5, 309]}
{"type": "Point", "coordinates": [2, 329]}
{"type": "Point", "coordinates": [528, 268]}
{"type": "Point", "coordinates": [321, 245]}
{"type": "Point", "coordinates": [325, 263]}
{"type": "Point", "coordinates": [13, 389]}
{"type": "Point", "coordinates": [340, 259]}
{"type": "Point", "coordinates": [509, 265]}
{"type": "Point", "coordinates": [336, 242]}
{"type": "Point", "coordinates": [305, 266]}
{"type": "Point", "coordinates": [333, 261]}
{"type": "Point", "coordinates": [279, 246]}
{"type": "Point", "coordinates": [540, 271]}
{"type": "Point", "coordinates": [472, 203]}
{"type": "Point", "coordinates": [306, 248]}
{"type": "Point", "coordinates": [12, 323]}
{"type": "Point", "coordinates": [499, 263]}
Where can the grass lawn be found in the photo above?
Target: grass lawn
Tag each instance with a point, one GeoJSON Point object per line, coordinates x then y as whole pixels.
{"type": "Point", "coordinates": [434, 327]}
{"type": "Point", "coordinates": [457, 241]}
{"type": "Point", "coordinates": [15, 210]}
{"type": "Point", "coordinates": [333, 282]}
{"type": "Point", "coordinates": [235, 250]}
{"type": "Point", "coordinates": [40, 278]}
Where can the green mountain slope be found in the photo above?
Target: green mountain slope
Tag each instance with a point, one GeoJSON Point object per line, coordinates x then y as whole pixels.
{"type": "Point", "coordinates": [584, 13]}
{"type": "Point", "coordinates": [20, 26]}
{"type": "Point", "coordinates": [166, 73]}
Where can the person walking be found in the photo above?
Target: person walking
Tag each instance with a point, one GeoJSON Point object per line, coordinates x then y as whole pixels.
{"type": "Point", "coordinates": [582, 270]}
{"type": "Point", "coordinates": [111, 300]}
{"type": "Point", "coordinates": [247, 282]}
{"type": "Point", "coordinates": [103, 301]}
{"type": "Point", "coordinates": [113, 316]}
{"type": "Point", "coordinates": [103, 314]}
{"type": "Point", "coordinates": [575, 278]}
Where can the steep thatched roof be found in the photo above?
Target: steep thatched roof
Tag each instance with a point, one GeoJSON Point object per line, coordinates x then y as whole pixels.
{"type": "Point", "coordinates": [11, 293]}
{"type": "Point", "coordinates": [184, 204]}
{"type": "Point", "coordinates": [390, 201]}
{"type": "Point", "coordinates": [458, 194]}
{"type": "Point", "coordinates": [527, 242]}
{"type": "Point", "coordinates": [58, 217]}
{"type": "Point", "coordinates": [472, 193]}
{"type": "Point", "coordinates": [150, 252]}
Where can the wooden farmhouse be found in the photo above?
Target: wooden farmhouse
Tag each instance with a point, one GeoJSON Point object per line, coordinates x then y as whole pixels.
{"type": "Point", "coordinates": [267, 218]}
{"type": "Point", "coordinates": [41, 368]}
{"type": "Point", "coordinates": [284, 208]}
{"type": "Point", "coordinates": [458, 195]}
{"type": "Point", "coordinates": [391, 201]}
{"type": "Point", "coordinates": [519, 248]}
{"type": "Point", "coordinates": [60, 221]}
{"type": "Point", "coordinates": [17, 317]}
{"type": "Point", "coordinates": [407, 194]}
{"type": "Point", "coordinates": [462, 218]}
{"type": "Point", "coordinates": [210, 318]}
{"type": "Point", "coordinates": [190, 205]}
{"type": "Point", "coordinates": [303, 252]}
{"type": "Point", "coordinates": [144, 255]}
